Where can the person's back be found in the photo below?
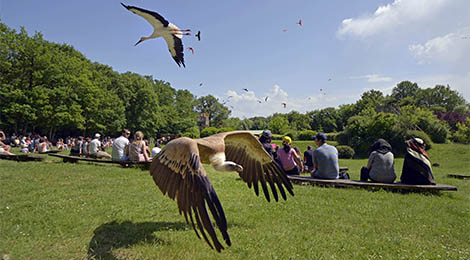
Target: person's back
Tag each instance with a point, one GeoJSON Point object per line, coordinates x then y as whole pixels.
{"type": "Point", "coordinates": [119, 147]}
{"type": "Point", "coordinates": [94, 146]}
{"type": "Point", "coordinates": [136, 151]}
{"type": "Point", "coordinates": [308, 158]}
{"type": "Point", "coordinates": [382, 167]}
{"type": "Point", "coordinates": [417, 165]}
{"type": "Point", "coordinates": [325, 159]}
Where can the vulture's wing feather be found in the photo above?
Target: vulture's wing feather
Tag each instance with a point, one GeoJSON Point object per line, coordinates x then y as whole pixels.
{"type": "Point", "coordinates": [178, 173]}
{"type": "Point", "coordinates": [258, 167]}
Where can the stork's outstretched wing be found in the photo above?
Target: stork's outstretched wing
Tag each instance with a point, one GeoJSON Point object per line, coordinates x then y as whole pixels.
{"type": "Point", "coordinates": [178, 172]}
{"type": "Point", "coordinates": [243, 148]}
{"type": "Point", "coordinates": [175, 46]}
{"type": "Point", "coordinates": [155, 19]}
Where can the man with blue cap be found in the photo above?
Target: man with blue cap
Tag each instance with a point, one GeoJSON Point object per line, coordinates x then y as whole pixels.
{"type": "Point", "coordinates": [325, 159]}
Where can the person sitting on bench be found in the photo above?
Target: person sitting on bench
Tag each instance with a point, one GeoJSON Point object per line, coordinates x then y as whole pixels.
{"type": "Point", "coordinates": [325, 159]}
{"type": "Point", "coordinates": [94, 149]}
{"type": "Point", "coordinates": [417, 166]}
{"type": "Point", "coordinates": [137, 149]}
{"type": "Point", "coordinates": [380, 165]}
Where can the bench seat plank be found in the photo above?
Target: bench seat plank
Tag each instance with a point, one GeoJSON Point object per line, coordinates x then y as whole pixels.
{"type": "Point", "coordinates": [360, 184]}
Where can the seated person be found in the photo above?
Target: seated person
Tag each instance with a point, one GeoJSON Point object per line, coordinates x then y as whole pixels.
{"type": "Point", "coordinates": [4, 149]}
{"type": "Point", "coordinates": [137, 149]}
{"type": "Point", "coordinates": [120, 145]}
{"type": "Point", "coordinates": [156, 149]}
{"type": "Point", "coordinates": [76, 148]}
{"type": "Point", "coordinates": [417, 166]}
{"type": "Point", "coordinates": [44, 145]}
{"type": "Point", "coordinates": [60, 144]}
{"type": "Point", "coordinates": [325, 159]}
{"type": "Point", "coordinates": [265, 140]}
{"type": "Point", "coordinates": [94, 149]}
{"type": "Point", "coordinates": [308, 159]}
{"type": "Point", "coordinates": [380, 165]}
{"type": "Point", "coordinates": [288, 158]}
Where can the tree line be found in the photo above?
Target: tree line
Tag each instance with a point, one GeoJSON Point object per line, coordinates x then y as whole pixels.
{"type": "Point", "coordinates": [54, 90]}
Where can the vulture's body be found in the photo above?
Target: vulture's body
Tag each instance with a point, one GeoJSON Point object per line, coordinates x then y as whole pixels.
{"type": "Point", "coordinates": [178, 172]}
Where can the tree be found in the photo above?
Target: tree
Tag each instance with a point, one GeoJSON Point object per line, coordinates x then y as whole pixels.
{"type": "Point", "coordinates": [440, 96]}
{"type": "Point", "coordinates": [210, 108]}
{"type": "Point", "coordinates": [279, 124]}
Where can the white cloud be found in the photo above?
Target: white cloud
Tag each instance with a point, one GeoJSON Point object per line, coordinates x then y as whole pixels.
{"type": "Point", "coordinates": [400, 12]}
{"type": "Point", "coordinates": [373, 78]}
{"type": "Point", "coordinates": [246, 104]}
{"type": "Point", "coordinates": [448, 48]}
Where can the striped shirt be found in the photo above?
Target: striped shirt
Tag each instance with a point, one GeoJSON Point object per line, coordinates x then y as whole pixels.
{"type": "Point", "coordinates": [326, 158]}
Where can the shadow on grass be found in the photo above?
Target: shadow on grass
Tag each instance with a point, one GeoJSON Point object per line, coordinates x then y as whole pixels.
{"type": "Point", "coordinates": [115, 234]}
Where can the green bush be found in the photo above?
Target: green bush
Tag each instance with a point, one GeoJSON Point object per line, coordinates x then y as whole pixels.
{"type": "Point", "coordinates": [225, 129]}
{"type": "Point", "coordinates": [438, 132]}
{"type": "Point", "coordinates": [209, 131]}
{"type": "Point", "coordinates": [306, 135]}
{"type": "Point", "coordinates": [332, 136]}
{"type": "Point", "coordinates": [292, 134]}
{"type": "Point", "coordinates": [462, 135]}
{"type": "Point", "coordinates": [345, 152]}
{"type": "Point", "coordinates": [342, 138]}
{"type": "Point", "coordinates": [192, 132]}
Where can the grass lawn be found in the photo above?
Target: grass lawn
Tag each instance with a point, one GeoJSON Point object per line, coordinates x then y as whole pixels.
{"type": "Point", "coordinates": [52, 210]}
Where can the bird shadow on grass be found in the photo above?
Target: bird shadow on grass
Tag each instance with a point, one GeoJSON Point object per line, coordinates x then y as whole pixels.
{"type": "Point", "coordinates": [115, 235]}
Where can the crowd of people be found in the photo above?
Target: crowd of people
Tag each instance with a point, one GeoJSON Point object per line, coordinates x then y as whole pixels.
{"type": "Point", "coordinates": [322, 163]}
{"type": "Point", "coordinates": [123, 149]}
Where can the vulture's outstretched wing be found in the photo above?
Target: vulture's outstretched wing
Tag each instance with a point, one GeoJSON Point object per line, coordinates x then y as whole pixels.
{"type": "Point", "coordinates": [178, 172]}
{"type": "Point", "coordinates": [243, 148]}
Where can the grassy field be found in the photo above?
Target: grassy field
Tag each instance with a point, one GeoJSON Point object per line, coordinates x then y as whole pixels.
{"type": "Point", "coordinates": [52, 210]}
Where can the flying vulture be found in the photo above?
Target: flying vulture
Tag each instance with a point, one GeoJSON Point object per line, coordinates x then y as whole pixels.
{"type": "Point", "coordinates": [165, 29]}
{"type": "Point", "coordinates": [178, 172]}
{"type": "Point", "coordinates": [198, 35]}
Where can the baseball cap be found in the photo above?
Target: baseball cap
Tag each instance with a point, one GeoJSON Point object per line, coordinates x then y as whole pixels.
{"type": "Point", "coordinates": [267, 134]}
{"type": "Point", "coordinates": [97, 135]}
{"type": "Point", "coordinates": [320, 136]}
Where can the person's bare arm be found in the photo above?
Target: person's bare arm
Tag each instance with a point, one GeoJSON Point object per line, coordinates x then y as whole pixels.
{"type": "Point", "coordinates": [2, 136]}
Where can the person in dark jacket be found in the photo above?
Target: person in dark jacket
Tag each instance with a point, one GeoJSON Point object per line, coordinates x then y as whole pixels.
{"type": "Point", "coordinates": [417, 165]}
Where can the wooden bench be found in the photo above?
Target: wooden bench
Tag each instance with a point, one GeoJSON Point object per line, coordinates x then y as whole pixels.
{"type": "Point", "coordinates": [75, 159]}
{"type": "Point", "coordinates": [458, 176]}
{"type": "Point", "coordinates": [371, 185]}
{"type": "Point", "coordinates": [22, 157]}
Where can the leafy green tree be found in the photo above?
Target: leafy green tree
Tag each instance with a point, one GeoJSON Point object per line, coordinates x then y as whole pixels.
{"type": "Point", "coordinates": [279, 124]}
{"type": "Point", "coordinates": [210, 108]}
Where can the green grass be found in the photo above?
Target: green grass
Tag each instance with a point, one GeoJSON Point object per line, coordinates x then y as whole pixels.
{"type": "Point", "coordinates": [52, 210]}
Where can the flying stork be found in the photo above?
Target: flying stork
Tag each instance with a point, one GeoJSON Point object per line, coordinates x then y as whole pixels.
{"type": "Point", "coordinates": [165, 29]}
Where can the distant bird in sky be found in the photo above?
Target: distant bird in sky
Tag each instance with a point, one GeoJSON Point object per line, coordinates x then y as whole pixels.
{"type": "Point", "coordinates": [200, 84]}
{"type": "Point", "coordinates": [309, 98]}
{"type": "Point", "coordinates": [284, 30]}
{"type": "Point", "coordinates": [321, 89]}
{"type": "Point", "coordinates": [329, 79]}
{"type": "Point", "coordinates": [198, 35]}
{"type": "Point", "coordinates": [229, 97]}
{"type": "Point", "coordinates": [266, 99]}
{"type": "Point", "coordinates": [179, 173]}
{"type": "Point", "coordinates": [300, 22]}
{"type": "Point", "coordinates": [284, 104]}
{"type": "Point", "coordinates": [245, 89]}
{"type": "Point", "coordinates": [259, 101]}
{"type": "Point", "coordinates": [191, 49]}
{"type": "Point", "coordinates": [466, 37]}
{"type": "Point", "coordinates": [165, 29]}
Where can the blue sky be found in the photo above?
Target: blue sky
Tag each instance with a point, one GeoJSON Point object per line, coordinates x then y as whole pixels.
{"type": "Point", "coordinates": [359, 45]}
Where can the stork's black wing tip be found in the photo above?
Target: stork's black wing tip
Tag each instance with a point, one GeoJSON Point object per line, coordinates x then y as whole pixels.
{"type": "Point", "coordinates": [125, 6]}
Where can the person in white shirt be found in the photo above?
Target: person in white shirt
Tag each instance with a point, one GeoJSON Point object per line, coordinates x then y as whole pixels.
{"type": "Point", "coordinates": [156, 149]}
{"type": "Point", "coordinates": [94, 149]}
{"type": "Point", "coordinates": [119, 146]}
